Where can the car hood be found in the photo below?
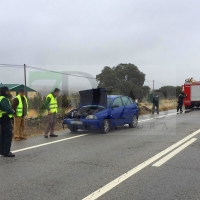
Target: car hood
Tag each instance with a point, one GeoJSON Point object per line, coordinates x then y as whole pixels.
{"type": "Point", "coordinates": [93, 97]}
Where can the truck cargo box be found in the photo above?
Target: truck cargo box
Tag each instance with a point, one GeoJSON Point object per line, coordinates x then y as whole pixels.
{"type": "Point", "coordinates": [192, 89]}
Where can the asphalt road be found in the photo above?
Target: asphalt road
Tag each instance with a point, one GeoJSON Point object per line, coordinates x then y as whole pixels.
{"type": "Point", "coordinates": [127, 164]}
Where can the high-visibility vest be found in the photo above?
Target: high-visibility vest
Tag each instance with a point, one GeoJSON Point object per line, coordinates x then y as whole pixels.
{"type": "Point", "coordinates": [19, 109]}
{"type": "Point", "coordinates": [53, 105]}
{"type": "Point", "coordinates": [4, 112]}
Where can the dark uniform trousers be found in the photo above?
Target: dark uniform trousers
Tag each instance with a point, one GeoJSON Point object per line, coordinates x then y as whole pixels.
{"type": "Point", "coordinates": [5, 136]}
{"type": "Point", "coordinates": [180, 106]}
{"type": "Point", "coordinates": [155, 105]}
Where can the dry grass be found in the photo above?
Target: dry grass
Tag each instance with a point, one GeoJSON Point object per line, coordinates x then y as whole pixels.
{"type": "Point", "coordinates": [34, 127]}
{"type": "Point", "coordinates": [145, 107]}
{"type": "Point", "coordinates": [34, 113]}
{"type": "Point", "coordinates": [39, 130]}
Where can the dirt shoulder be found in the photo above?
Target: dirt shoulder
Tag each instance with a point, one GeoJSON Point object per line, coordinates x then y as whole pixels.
{"type": "Point", "coordinates": [36, 126]}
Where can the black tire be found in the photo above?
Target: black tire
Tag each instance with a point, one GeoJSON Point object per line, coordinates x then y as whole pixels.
{"type": "Point", "coordinates": [73, 129]}
{"type": "Point", "coordinates": [134, 122]}
{"type": "Point", "coordinates": [105, 127]}
{"type": "Point", "coordinates": [188, 107]}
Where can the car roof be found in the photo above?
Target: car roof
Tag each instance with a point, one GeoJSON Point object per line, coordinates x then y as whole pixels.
{"type": "Point", "coordinates": [114, 96]}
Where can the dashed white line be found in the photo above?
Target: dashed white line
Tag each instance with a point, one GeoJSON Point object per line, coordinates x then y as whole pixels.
{"type": "Point", "coordinates": [173, 153]}
{"type": "Point", "coordinates": [98, 193]}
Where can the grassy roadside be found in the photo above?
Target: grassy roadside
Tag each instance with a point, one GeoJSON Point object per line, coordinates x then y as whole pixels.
{"type": "Point", "coordinates": [36, 127]}
{"type": "Point", "coordinates": [145, 108]}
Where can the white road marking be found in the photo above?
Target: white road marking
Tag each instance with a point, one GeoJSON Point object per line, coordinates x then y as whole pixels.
{"type": "Point", "coordinates": [158, 116]}
{"type": "Point", "coordinates": [146, 120]}
{"type": "Point", "coordinates": [48, 143]}
{"type": "Point", "coordinates": [98, 193]}
{"type": "Point", "coordinates": [173, 153]}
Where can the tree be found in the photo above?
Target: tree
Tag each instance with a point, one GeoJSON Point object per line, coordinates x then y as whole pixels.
{"type": "Point", "coordinates": [63, 101]}
{"type": "Point", "coordinates": [170, 92]}
{"type": "Point", "coordinates": [125, 79]}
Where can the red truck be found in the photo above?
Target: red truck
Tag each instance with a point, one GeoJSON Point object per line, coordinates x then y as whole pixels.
{"type": "Point", "coordinates": [192, 89]}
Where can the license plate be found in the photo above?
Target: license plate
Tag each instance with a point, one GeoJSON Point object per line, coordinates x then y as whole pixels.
{"type": "Point", "coordinates": [77, 122]}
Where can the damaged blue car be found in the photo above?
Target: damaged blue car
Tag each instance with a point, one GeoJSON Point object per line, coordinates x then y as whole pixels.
{"type": "Point", "coordinates": [99, 111]}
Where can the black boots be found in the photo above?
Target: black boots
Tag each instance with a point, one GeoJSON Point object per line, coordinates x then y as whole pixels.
{"type": "Point", "coordinates": [53, 135]}
{"type": "Point", "coordinates": [10, 155]}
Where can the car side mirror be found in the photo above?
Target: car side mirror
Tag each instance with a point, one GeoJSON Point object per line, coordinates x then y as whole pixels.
{"type": "Point", "coordinates": [115, 106]}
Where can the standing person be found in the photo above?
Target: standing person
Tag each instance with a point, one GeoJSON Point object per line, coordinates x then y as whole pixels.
{"type": "Point", "coordinates": [181, 97]}
{"type": "Point", "coordinates": [52, 108]}
{"type": "Point", "coordinates": [20, 106]}
{"type": "Point", "coordinates": [6, 115]}
{"type": "Point", "coordinates": [155, 103]}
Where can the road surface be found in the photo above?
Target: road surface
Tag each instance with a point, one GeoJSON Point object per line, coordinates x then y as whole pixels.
{"type": "Point", "coordinates": [158, 160]}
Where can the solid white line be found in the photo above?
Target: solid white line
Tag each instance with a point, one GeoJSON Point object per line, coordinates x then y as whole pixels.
{"type": "Point", "coordinates": [146, 120]}
{"type": "Point", "coordinates": [98, 193]}
{"type": "Point", "coordinates": [173, 153]}
{"type": "Point", "coordinates": [48, 143]}
{"type": "Point", "coordinates": [158, 116]}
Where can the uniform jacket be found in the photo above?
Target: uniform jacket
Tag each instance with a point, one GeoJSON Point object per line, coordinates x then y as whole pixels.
{"type": "Point", "coordinates": [5, 106]}
{"type": "Point", "coordinates": [181, 97]}
{"type": "Point", "coordinates": [156, 99]}
{"type": "Point", "coordinates": [15, 104]}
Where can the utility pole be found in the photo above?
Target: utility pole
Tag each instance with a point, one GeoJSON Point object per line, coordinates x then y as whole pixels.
{"type": "Point", "coordinates": [25, 79]}
{"type": "Point", "coordinates": [153, 84]}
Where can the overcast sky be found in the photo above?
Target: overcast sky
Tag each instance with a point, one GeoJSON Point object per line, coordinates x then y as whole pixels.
{"type": "Point", "coordinates": [160, 37]}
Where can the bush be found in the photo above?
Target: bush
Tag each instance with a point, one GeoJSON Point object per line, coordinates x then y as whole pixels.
{"type": "Point", "coordinates": [64, 101]}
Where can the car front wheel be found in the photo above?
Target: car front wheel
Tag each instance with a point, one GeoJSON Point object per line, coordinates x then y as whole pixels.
{"type": "Point", "coordinates": [105, 126]}
{"type": "Point", "coordinates": [134, 122]}
{"type": "Point", "coordinates": [73, 129]}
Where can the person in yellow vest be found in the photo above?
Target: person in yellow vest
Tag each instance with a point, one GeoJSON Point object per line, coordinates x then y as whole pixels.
{"type": "Point", "coordinates": [6, 115]}
{"type": "Point", "coordinates": [20, 106]}
{"type": "Point", "coordinates": [52, 108]}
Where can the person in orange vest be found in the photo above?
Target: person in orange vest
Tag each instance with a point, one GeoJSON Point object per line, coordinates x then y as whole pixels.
{"type": "Point", "coordinates": [52, 108]}
{"type": "Point", "coordinates": [20, 106]}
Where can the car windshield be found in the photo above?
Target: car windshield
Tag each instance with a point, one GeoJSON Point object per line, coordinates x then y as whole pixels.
{"type": "Point", "coordinates": [108, 102]}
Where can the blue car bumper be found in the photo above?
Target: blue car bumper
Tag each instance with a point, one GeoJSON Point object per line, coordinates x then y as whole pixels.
{"type": "Point", "coordinates": [85, 124]}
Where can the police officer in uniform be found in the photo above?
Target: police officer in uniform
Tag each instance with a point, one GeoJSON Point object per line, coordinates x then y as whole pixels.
{"type": "Point", "coordinates": [155, 103]}
{"type": "Point", "coordinates": [52, 108]}
{"type": "Point", "coordinates": [20, 106]}
{"type": "Point", "coordinates": [181, 97]}
{"type": "Point", "coordinates": [6, 115]}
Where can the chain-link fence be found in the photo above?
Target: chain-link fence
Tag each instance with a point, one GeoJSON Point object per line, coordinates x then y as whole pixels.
{"type": "Point", "coordinates": [40, 82]}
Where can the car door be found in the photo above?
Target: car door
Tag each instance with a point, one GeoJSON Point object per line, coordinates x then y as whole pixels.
{"type": "Point", "coordinates": [129, 108]}
{"type": "Point", "coordinates": [117, 112]}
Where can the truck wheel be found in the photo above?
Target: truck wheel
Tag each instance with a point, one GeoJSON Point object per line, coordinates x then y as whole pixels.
{"type": "Point", "coordinates": [134, 122]}
{"type": "Point", "coordinates": [105, 127]}
{"type": "Point", "coordinates": [188, 107]}
{"type": "Point", "coordinates": [73, 129]}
